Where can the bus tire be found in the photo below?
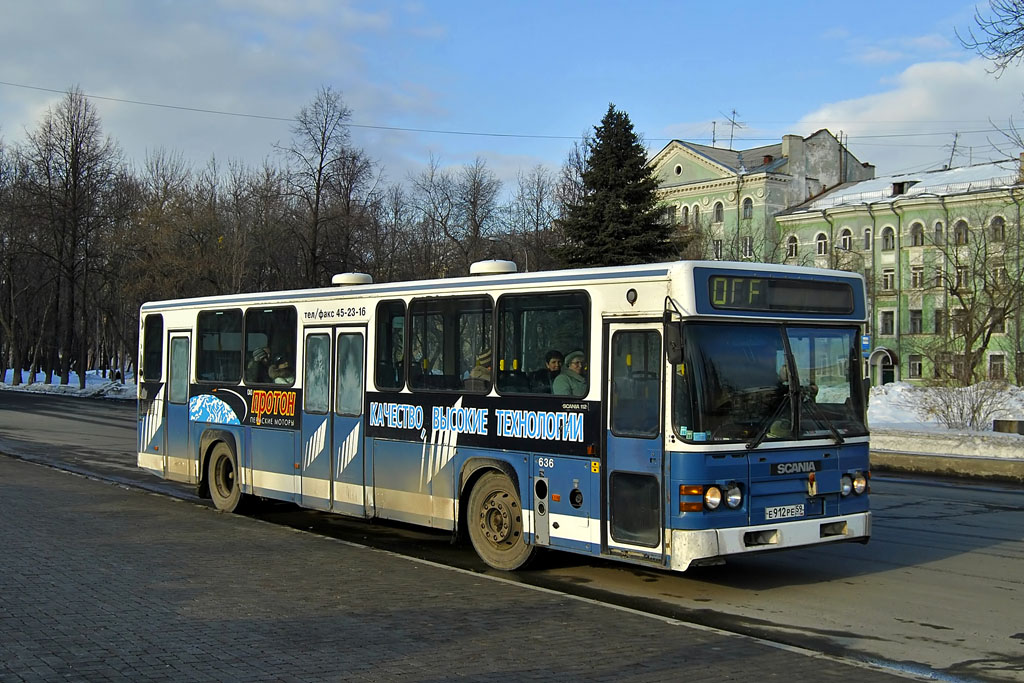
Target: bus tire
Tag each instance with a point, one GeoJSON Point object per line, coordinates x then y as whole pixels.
{"type": "Point", "coordinates": [223, 480]}
{"type": "Point", "coordinates": [495, 521]}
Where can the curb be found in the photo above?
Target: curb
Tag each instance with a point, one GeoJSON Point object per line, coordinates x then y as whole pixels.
{"type": "Point", "coordinates": [974, 467]}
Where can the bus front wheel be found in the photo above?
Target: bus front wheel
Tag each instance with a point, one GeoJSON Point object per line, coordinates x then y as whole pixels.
{"type": "Point", "coordinates": [495, 520]}
{"type": "Point", "coordinates": [222, 478]}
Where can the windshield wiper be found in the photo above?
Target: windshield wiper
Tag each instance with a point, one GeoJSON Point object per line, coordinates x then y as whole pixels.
{"type": "Point", "coordinates": [821, 417]}
{"type": "Point", "coordinates": [767, 424]}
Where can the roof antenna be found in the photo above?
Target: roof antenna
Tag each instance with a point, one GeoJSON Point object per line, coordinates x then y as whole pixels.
{"type": "Point", "coordinates": [733, 124]}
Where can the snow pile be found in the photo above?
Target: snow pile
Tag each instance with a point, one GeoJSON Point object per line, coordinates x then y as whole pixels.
{"type": "Point", "coordinates": [894, 407]}
{"type": "Point", "coordinates": [96, 386]}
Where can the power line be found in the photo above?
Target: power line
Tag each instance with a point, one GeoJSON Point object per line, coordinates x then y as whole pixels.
{"type": "Point", "coordinates": [438, 131]}
{"type": "Point", "coordinates": [290, 119]}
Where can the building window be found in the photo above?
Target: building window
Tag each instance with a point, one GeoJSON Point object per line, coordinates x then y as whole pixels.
{"type": "Point", "coordinates": [791, 245]}
{"type": "Point", "coordinates": [917, 276]}
{"type": "Point", "coordinates": [938, 233]}
{"type": "Point", "coordinates": [822, 241]}
{"type": "Point", "coordinates": [998, 318]}
{"type": "Point", "coordinates": [670, 214]}
{"type": "Point", "coordinates": [915, 366]}
{"type": "Point", "coordinates": [748, 208]}
{"type": "Point", "coordinates": [846, 240]}
{"type": "Point", "coordinates": [888, 279]}
{"type": "Point", "coordinates": [696, 216]}
{"type": "Point", "coordinates": [940, 316]}
{"type": "Point", "coordinates": [997, 229]}
{"type": "Point", "coordinates": [719, 212]}
{"type": "Point", "coordinates": [958, 321]}
{"type": "Point", "coordinates": [999, 274]}
{"type": "Point", "coordinates": [917, 235]}
{"type": "Point", "coordinates": [960, 233]}
{"type": "Point", "coordinates": [938, 276]}
{"type": "Point", "coordinates": [867, 239]}
{"type": "Point", "coordinates": [678, 169]}
{"type": "Point", "coordinates": [997, 366]}
{"type": "Point", "coordinates": [717, 246]}
{"type": "Point", "coordinates": [685, 218]}
{"type": "Point", "coordinates": [888, 239]}
{"type": "Point", "coordinates": [888, 322]}
{"type": "Point", "coordinates": [747, 245]}
{"type": "Point", "coordinates": [915, 321]}
{"type": "Point", "coordinates": [961, 277]}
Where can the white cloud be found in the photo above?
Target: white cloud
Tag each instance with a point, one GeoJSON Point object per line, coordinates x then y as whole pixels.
{"type": "Point", "coordinates": [922, 110]}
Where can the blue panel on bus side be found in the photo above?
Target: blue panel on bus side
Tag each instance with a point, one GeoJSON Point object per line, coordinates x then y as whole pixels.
{"type": "Point", "coordinates": [274, 458]}
{"type": "Point", "coordinates": [177, 432]}
{"type": "Point", "coordinates": [573, 498]}
{"type": "Point", "coordinates": [405, 475]}
{"type": "Point", "coordinates": [704, 469]}
{"type": "Point", "coordinates": [349, 466]}
{"type": "Point", "coordinates": [316, 461]}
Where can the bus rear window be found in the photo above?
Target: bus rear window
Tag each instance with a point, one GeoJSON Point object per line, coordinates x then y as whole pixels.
{"type": "Point", "coordinates": [153, 348]}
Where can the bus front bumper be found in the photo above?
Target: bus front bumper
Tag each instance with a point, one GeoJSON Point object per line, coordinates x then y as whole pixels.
{"type": "Point", "coordinates": [693, 546]}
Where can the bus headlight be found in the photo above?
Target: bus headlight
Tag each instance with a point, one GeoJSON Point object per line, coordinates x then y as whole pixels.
{"type": "Point", "coordinates": [733, 496]}
{"type": "Point", "coordinates": [846, 484]}
{"type": "Point", "coordinates": [860, 483]}
{"type": "Point", "coordinates": [712, 497]}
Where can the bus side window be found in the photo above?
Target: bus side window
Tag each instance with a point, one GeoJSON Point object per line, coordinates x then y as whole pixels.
{"type": "Point", "coordinates": [532, 326]}
{"type": "Point", "coordinates": [219, 346]}
{"type": "Point", "coordinates": [389, 356]}
{"type": "Point", "coordinates": [270, 345]}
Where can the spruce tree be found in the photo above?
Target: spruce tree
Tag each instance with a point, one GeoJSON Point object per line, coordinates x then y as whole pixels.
{"type": "Point", "coordinates": [617, 221]}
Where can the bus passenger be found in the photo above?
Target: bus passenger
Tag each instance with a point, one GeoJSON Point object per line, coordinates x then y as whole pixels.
{"type": "Point", "coordinates": [571, 381]}
{"type": "Point", "coordinates": [257, 369]}
{"type": "Point", "coordinates": [281, 371]}
{"type": "Point", "coordinates": [541, 380]}
{"type": "Point", "coordinates": [480, 376]}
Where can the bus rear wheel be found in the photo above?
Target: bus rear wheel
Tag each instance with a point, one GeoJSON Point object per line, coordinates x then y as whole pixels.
{"type": "Point", "coordinates": [222, 478]}
{"type": "Point", "coordinates": [495, 520]}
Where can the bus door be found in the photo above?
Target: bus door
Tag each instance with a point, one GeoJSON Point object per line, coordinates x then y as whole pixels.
{"type": "Point", "coordinates": [633, 489]}
{"type": "Point", "coordinates": [331, 464]}
{"type": "Point", "coordinates": [179, 465]}
{"type": "Point", "coordinates": [314, 456]}
{"type": "Point", "coordinates": [352, 493]}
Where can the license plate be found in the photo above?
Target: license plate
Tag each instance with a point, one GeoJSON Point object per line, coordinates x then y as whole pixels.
{"type": "Point", "coordinates": [784, 511]}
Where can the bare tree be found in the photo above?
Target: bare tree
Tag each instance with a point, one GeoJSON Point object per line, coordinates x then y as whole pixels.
{"type": "Point", "coordinates": [320, 139]}
{"type": "Point", "coordinates": [73, 166]}
{"type": "Point", "coordinates": [529, 219]}
{"type": "Point", "coordinates": [999, 33]}
{"type": "Point", "coordinates": [978, 266]}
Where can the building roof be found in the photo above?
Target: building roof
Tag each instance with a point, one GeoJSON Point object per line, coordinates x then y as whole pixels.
{"type": "Point", "coordinates": [945, 182]}
{"type": "Point", "coordinates": [742, 160]}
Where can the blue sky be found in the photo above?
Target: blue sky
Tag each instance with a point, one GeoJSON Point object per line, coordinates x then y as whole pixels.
{"type": "Point", "coordinates": [891, 76]}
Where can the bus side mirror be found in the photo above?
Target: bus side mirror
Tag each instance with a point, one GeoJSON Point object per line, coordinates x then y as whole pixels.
{"type": "Point", "coordinates": [673, 341]}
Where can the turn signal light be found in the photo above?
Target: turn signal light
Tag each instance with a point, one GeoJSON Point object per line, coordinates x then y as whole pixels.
{"type": "Point", "coordinates": [690, 490]}
{"type": "Point", "coordinates": [690, 507]}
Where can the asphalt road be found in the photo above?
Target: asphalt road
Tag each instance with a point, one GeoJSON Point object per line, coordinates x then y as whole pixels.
{"type": "Point", "coordinates": [938, 591]}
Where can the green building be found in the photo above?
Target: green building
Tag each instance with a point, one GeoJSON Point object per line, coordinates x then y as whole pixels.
{"type": "Point", "coordinates": [724, 201]}
{"type": "Point", "coordinates": [941, 253]}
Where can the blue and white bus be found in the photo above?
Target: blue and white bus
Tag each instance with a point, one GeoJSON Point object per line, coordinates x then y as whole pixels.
{"type": "Point", "coordinates": [708, 409]}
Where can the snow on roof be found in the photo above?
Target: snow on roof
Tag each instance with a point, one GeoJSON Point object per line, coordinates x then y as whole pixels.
{"type": "Point", "coordinates": [928, 183]}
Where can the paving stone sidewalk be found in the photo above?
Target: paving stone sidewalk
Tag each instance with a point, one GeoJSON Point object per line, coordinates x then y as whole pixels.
{"type": "Point", "coordinates": [99, 582]}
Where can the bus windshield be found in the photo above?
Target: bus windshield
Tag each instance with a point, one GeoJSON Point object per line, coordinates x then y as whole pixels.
{"type": "Point", "coordinates": [751, 383]}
